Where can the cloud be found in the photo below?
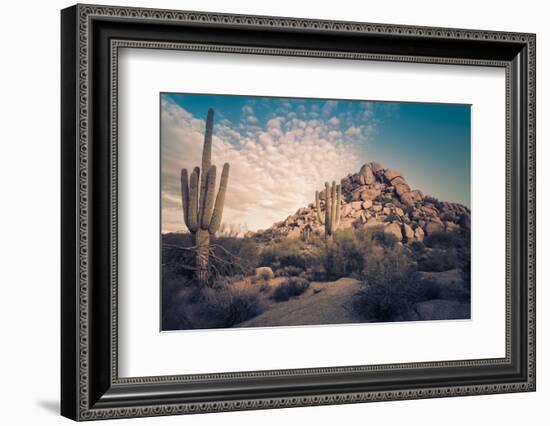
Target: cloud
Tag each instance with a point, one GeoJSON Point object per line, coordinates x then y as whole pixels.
{"type": "Point", "coordinates": [275, 167]}
{"type": "Point", "coordinates": [247, 109]}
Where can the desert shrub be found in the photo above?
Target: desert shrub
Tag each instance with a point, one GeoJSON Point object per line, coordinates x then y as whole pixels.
{"type": "Point", "coordinates": [264, 287]}
{"type": "Point", "coordinates": [346, 255]}
{"type": "Point", "coordinates": [433, 200]}
{"type": "Point", "coordinates": [290, 271]}
{"type": "Point", "coordinates": [228, 307]}
{"type": "Point", "coordinates": [291, 288]}
{"type": "Point", "coordinates": [234, 256]}
{"type": "Point", "coordinates": [386, 277]}
{"type": "Point", "coordinates": [417, 248]}
{"type": "Point", "coordinates": [287, 252]}
{"type": "Point", "coordinates": [391, 286]}
{"type": "Point", "coordinates": [386, 240]}
{"type": "Point", "coordinates": [438, 260]}
{"type": "Point", "coordinates": [178, 259]}
{"type": "Point", "coordinates": [443, 240]}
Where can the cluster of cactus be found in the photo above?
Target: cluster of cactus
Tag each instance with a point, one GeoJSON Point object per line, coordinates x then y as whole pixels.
{"type": "Point", "coordinates": [201, 214]}
{"type": "Point", "coordinates": [306, 232]}
{"type": "Point", "coordinates": [331, 217]}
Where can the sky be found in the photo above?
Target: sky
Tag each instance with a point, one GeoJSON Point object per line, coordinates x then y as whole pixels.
{"type": "Point", "coordinates": [281, 150]}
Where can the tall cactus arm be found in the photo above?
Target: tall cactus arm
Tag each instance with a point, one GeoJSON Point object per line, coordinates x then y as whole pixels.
{"type": "Point", "coordinates": [185, 196]}
{"type": "Point", "coordinates": [208, 199]}
{"type": "Point", "coordinates": [318, 208]}
{"type": "Point", "coordinates": [338, 202]}
{"type": "Point", "coordinates": [206, 152]}
{"type": "Point", "coordinates": [333, 207]}
{"type": "Point", "coordinates": [216, 220]}
{"type": "Point", "coordinates": [328, 217]}
{"type": "Point", "coordinates": [193, 214]}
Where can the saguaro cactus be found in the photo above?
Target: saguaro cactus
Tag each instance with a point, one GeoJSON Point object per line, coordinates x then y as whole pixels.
{"type": "Point", "coordinates": [305, 233]}
{"type": "Point", "coordinates": [331, 218]}
{"type": "Point", "coordinates": [201, 214]}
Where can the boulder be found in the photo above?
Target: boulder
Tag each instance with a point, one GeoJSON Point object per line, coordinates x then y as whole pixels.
{"type": "Point", "coordinates": [451, 226]}
{"type": "Point", "coordinates": [376, 167]}
{"type": "Point", "coordinates": [367, 204]}
{"type": "Point", "coordinates": [418, 196]}
{"type": "Point", "coordinates": [391, 174]}
{"type": "Point", "coordinates": [366, 175]}
{"type": "Point", "coordinates": [395, 230]}
{"type": "Point", "coordinates": [355, 213]}
{"type": "Point", "coordinates": [419, 234]}
{"type": "Point", "coordinates": [429, 211]}
{"type": "Point", "coordinates": [408, 199]}
{"type": "Point", "coordinates": [356, 205]}
{"type": "Point", "coordinates": [346, 210]}
{"type": "Point", "coordinates": [402, 189]}
{"type": "Point", "coordinates": [374, 223]}
{"type": "Point", "coordinates": [376, 208]}
{"type": "Point", "coordinates": [399, 212]}
{"type": "Point", "coordinates": [363, 193]}
{"type": "Point", "coordinates": [432, 227]}
{"type": "Point", "coordinates": [408, 232]}
{"type": "Point", "coordinates": [264, 272]}
{"type": "Point", "coordinates": [369, 194]}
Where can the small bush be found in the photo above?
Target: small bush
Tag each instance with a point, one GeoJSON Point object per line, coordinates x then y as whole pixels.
{"type": "Point", "coordinates": [438, 260]}
{"type": "Point", "coordinates": [228, 307]}
{"type": "Point", "coordinates": [345, 256]}
{"type": "Point", "coordinates": [290, 271]}
{"type": "Point", "coordinates": [264, 287]}
{"type": "Point", "coordinates": [443, 240]}
{"type": "Point", "coordinates": [387, 277]}
{"type": "Point", "coordinates": [234, 256]}
{"type": "Point", "coordinates": [386, 240]}
{"type": "Point", "coordinates": [390, 298]}
{"type": "Point", "coordinates": [291, 288]}
{"type": "Point", "coordinates": [288, 252]}
{"type": "Point", "coordinates": [417, 248]}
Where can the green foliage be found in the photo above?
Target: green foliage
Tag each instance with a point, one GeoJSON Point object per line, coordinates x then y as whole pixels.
{"type": "Point", "coordinates": [293, 287]}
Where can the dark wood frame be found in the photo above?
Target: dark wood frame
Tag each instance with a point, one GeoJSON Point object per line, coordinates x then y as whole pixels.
{"type": "Point", "coordinates": [90, 386]}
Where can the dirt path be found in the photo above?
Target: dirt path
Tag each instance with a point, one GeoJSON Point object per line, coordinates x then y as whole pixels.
{"type": "Point", "coordinates": [323, 303]}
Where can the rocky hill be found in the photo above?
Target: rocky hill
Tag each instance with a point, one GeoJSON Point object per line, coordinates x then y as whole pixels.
{"type": "Point", "coordinates": [378, 197]}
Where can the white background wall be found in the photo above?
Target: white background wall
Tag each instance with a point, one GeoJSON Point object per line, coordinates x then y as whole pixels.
{"type": "Point", "coordinates": [29, 212]}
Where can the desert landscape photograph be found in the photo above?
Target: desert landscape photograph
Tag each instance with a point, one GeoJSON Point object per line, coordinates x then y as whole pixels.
{"type": "Point", "coordinates": [280, 211]}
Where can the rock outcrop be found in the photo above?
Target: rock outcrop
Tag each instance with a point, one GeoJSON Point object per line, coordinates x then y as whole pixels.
{"type": "Point", "coordinates": [379, 197]}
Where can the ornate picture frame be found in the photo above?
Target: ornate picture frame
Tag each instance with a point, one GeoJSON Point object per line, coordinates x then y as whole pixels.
{"type": "Point", "coordinates": [91, 37]}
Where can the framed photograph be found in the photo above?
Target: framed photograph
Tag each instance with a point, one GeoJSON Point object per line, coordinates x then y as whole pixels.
{"type": "Point", "coordinates": [263, 212]}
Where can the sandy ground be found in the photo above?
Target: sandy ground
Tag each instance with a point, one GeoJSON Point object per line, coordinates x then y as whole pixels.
{"type": "Point", "coordinates": [322, 303]}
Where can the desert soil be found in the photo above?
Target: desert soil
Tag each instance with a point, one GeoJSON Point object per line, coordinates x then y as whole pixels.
{"type": "Point", "coordinates": [326, 302]}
